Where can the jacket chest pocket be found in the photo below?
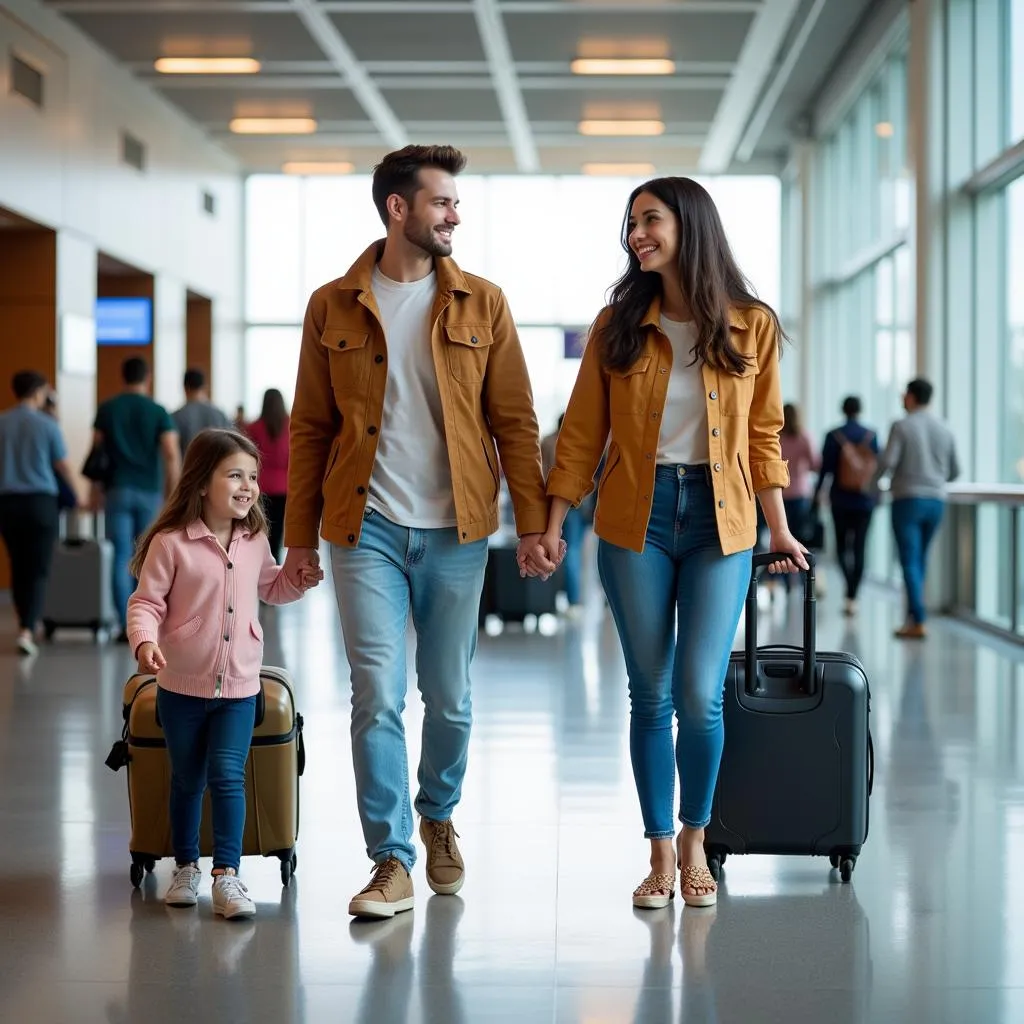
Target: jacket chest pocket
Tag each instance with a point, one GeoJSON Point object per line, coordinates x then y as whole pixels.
{"type": "Point", "coordinates": [737, 392]}
{"type": "Point", "coordinates": [628, 389]}
{"type": "Point", "coordinates": [349, 356]}
{"type": "Point", "coordinates": [468, 348]}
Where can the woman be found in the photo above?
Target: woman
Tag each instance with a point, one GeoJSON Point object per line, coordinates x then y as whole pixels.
{"type": "Point", "coordinates": [33, 459]}
{"type": "Point", "coordinates": [803, 458]}
{"type": "Point", "coordinates": [682, 370]}
{"type": "Point", "coordinates": [270, 435]}
{"type": "Point", "coordinates": [850, 457]}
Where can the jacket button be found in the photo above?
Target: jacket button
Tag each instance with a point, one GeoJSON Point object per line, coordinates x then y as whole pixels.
{"type": "Point", "coordinates": [650, 456]}
{"type": "Point", "coordinates": [351, 538]}
{"type": "Point", "coordinates": [647, 497]}
{"type": "Point", "coordinates": [718, 467]}
{"type": "Point", "coordinates": [230, 565]}
{"type": "Point", "coordinates": [371, 430]}
{"type": "Point", "coordinates": [721, 504]}
{"type": "Point", "coordinates": [474, 340]}
{"type": "Point", "coordinates": [227, 639]}
{"type": "Point", "coordinates": [463, 534]}
{"type": "Point", "coordinates": [713, 395]}
{"type": "Point", "coordinates": [360, 490]}
{"type": "Point", "coordinates": [378, 359]}
{"type": "Point", "coordinates": [231, 611]}
{"type": "Point", "coordinates": [663, 370]}
{"type": "Point", "coordinates": [715, 431]}
{"type": "Point", "coordinates": [342, 343]}
{"type": "Point", "coordinates": [654, 415]}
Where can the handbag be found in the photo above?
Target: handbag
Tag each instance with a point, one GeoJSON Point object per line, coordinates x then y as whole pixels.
{"type": "Point", "coordinates": [97, 466]}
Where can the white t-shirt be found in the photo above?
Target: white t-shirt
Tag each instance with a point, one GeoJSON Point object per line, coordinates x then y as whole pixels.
{"type": "Point", "coordinates": [684, 424]}
{"type": "Point", "coordinates": [411, 483]}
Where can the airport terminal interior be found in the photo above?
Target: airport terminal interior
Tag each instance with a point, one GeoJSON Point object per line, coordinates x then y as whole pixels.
{"type": "Point", "coordinates": [176, 178]}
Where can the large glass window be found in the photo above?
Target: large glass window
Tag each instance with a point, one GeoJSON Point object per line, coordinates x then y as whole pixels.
{"type": "Point", "coordinates": [1013, 379]}
{"type": "Point", "coordinates": [1016, 70]}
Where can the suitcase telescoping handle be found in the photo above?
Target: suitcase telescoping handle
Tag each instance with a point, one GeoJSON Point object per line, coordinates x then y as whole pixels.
{"type": "Point", "coordinates": [750, 627]}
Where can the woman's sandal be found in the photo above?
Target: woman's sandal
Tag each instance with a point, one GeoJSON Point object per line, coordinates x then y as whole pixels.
{"type": "Point", "coordinates": [697, 876]}
{"type": "Point", "coordinates": [655, 892]}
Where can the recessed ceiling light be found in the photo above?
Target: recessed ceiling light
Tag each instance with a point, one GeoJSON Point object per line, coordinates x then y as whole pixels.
{"type": "Point", "coordinates": [318, 167]}
{"type": "Point", "coordinates": [622, 66]}
{"type": "Point", "coordinates": [621, 127]}
{"type": "Point", "coordinates": [207, 66]}
{"type": "Point", "coordinates": [621, 170]}
{"type": "Point", "coordinates": [273, 125]}
{"type": "Point", "coordinates": [884, 130]}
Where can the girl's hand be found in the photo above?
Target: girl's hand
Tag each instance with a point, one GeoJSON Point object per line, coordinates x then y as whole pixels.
{"type": "Point", "coordinates": [151, 658]}
{"type": "Point", "coordinates": [309, 576]}
{"type": "Point", "coordinates": [784, 541]}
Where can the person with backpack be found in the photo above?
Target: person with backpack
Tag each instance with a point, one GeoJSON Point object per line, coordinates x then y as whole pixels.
{"type": "Point", "coordinates": [849, 458]}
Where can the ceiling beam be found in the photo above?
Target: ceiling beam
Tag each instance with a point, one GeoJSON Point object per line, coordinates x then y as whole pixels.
{"type": "Point", "coordinates": [752, 135]}
{"type": "Point", "coordinates": [506, 84]}
{"type": "Point", "coordinates": [409, 6]}
{"type": "Point", "coordinates": [331, 41]}
{"type": "Point", "coordinates": [760, 48]}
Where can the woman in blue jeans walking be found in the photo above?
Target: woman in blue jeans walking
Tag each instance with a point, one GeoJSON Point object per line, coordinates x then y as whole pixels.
{"type": "Point", "coordinates": [681, 373]}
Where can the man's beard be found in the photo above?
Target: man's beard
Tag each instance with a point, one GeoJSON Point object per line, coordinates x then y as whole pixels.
{"type": "Point", "coordinates": [425, 238]}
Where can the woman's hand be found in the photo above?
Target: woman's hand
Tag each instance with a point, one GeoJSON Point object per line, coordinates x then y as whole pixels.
{"type": "Point", "coordinates": [151, 658]}
{"type": "Point", "coordinates": [784, 541]}
{"type": "Point", "coordinates": [546, 556]}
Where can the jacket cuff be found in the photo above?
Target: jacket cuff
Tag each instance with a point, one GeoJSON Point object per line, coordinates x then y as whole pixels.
{"type": "Point", "coordinates": [533, 519]}
{"type": "Point", "coordinates": [769, 474]}
{"type": "Point", "coordinates": [573, 488]}
{"type": "Point", "coordinates": [138, 637]}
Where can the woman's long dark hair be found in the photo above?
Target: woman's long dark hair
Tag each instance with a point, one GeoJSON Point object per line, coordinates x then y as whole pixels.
{"type": "Point", "coordinates": [791, 425]}
{"type": "Point", "coordinates": [274, 413]}
{"type": "Point", "coordinates": [206, 451]}
{"type": "Point", "coordinates": [710, 279]}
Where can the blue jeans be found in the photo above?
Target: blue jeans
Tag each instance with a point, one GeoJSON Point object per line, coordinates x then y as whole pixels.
{"type": "Point", "coordinates": [914, 521]}
{"type": "Point", "coordinates": [129, 513]}
{"type": "Point", "coordinates": [574, 531]}
{"type": "Point", "coordinates": [208, 743]}
{"type": "Point", "coordinates": [393, 573]}
{"type": "Point", "coordinates": [676, 607]}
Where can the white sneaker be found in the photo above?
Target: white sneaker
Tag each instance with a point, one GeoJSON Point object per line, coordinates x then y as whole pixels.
{"type": "Point", "coordinates": [184, 890]}
{"type": "Point", "coordinates": [231, 898]}
{"type": "Point", "coordinates": [27, 646]}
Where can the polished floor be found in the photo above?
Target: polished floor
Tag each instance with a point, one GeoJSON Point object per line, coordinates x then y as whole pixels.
{"type": "Point", "coordinates": [930, 930]}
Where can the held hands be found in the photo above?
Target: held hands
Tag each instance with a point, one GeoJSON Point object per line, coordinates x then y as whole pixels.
{"type": "Point", "coordinates": [309, 575]}
{"type": "Point", "coordinates": [151, 658]}
{"type": "Point", "coordinates": [540, 554]}
{"type": "Point", "coordinates": [302, 567]}
{"type": "Point", "coordinates": [785, 541]}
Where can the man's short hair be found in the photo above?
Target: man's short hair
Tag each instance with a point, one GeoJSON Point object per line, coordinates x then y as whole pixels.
{"type": "Point", "coordinates": [195, 380]}
{"type": "Point", "coordinates": [399, 172]}
{"type": "Point", "coordinates": [920, 390]}
{"type": "Point", "coordinates": [134, 371]}
{"type": "Point", "coordinates": [851, 406]}
{"type": "Point", "coordinates": [26, 383]}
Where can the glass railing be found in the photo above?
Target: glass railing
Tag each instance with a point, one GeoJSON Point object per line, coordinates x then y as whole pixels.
{"type": "Point", "coordinates": [985, 534]}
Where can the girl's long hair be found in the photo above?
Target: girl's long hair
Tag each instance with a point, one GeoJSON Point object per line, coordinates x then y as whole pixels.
{"type": "Point", "coordinates": [208, 449]}
{"type": "Point", "coordinates": [791, 425]}
{"type": "Point", "coordinates": [710, 279]}
{"type": "Point", "coordinates": [274, 413]}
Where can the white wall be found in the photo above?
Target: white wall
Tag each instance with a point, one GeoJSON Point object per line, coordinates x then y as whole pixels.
{"type": "Point", "coordinates": [61, 166]}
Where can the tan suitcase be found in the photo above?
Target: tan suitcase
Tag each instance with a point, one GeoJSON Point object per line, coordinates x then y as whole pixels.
{"type": "Point", "coordinates": [276, 760]}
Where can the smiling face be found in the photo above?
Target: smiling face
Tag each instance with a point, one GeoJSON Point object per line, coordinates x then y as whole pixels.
{"type": "Point", "coordinates": [232, 489]}
{"type": "Point", "coordinates": [432, 216]}
{"type": "Point", "coordinates": [654, 234]}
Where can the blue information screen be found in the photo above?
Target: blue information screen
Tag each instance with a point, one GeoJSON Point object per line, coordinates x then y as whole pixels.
{"type": "Point", "coordinates": [127, 321]}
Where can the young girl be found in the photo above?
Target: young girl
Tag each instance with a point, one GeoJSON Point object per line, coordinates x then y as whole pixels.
{"type": "Point", "coordinates": [682, 372]}
{"type": "Point", "coordinates": [193, 621]}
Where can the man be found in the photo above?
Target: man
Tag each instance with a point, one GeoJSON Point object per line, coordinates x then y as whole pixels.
{"type": "Point", "coordinates": [921, 458]}
{"type": "Point", "coordinates": [410, 377]}
{"type": "Point", "coordinates": [198, 412]}
{"type": "Point", "coordinates": [139, 438]}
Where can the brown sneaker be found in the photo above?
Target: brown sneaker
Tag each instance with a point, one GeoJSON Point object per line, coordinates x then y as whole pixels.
{"type": "Point", "coordinates": [446, 870]}
{"type": "Point", "coordinates": [911, 631]}
{"type": "Point", "coordinates": [388, 892]}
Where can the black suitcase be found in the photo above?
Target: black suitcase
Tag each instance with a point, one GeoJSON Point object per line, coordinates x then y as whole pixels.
{"type": "Point", "coordinates": [798, 763]}
{"type": "Point", "coordinates": [510, 596]}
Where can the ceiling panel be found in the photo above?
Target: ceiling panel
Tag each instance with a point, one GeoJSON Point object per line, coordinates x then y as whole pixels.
{"type": "Point", "coordinates": [412, 37]}
{"type": "Point", "coordinates": [692, 106]}
{"type": "Point", "coordinates": [144, 37]}
{"type": "Point", "coordinates": [449, 105]}
{"type": "Point", "coordinates": [217, 107]}
{"type": "Point", "coordinates": [686, 37]}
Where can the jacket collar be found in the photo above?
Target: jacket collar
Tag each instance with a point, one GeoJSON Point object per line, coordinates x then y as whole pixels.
{"type": "Point", "coordinates": [198, 529]}
{"type": "Point", "coordinates": [360, 275]}
{"type": "Point", "coordinates": [653, 317]}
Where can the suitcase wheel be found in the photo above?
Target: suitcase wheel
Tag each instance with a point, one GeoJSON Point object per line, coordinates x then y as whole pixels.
{"type": "Point", "coordinates": [288, 866]}
{"type": "Point", "coordinates": [715, 865]}
{"type": "Point", "coordinates": [49, 628]}
{"type": "Point", "coordinates": [834, 859]}
{"type": "Point", "coordinates": [136, 873]}
{"type": "Point", "coordinates": [846, 868]}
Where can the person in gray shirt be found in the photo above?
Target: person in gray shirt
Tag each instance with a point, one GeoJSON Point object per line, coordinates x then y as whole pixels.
{"type": "Point", "coordinates": [198, 412]}
{"type": "Point", "coordinates": [920, 458]}
{"type": "Point", "coordinates": [32, 460]}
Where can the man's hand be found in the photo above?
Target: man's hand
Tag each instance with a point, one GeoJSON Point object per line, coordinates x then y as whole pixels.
{"type": "Point", "coordinates": [301, 564]}
{"type": "Point", "coordinates": [151, 658]}
{"type": "Point", "coordinates": [539, 554]}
